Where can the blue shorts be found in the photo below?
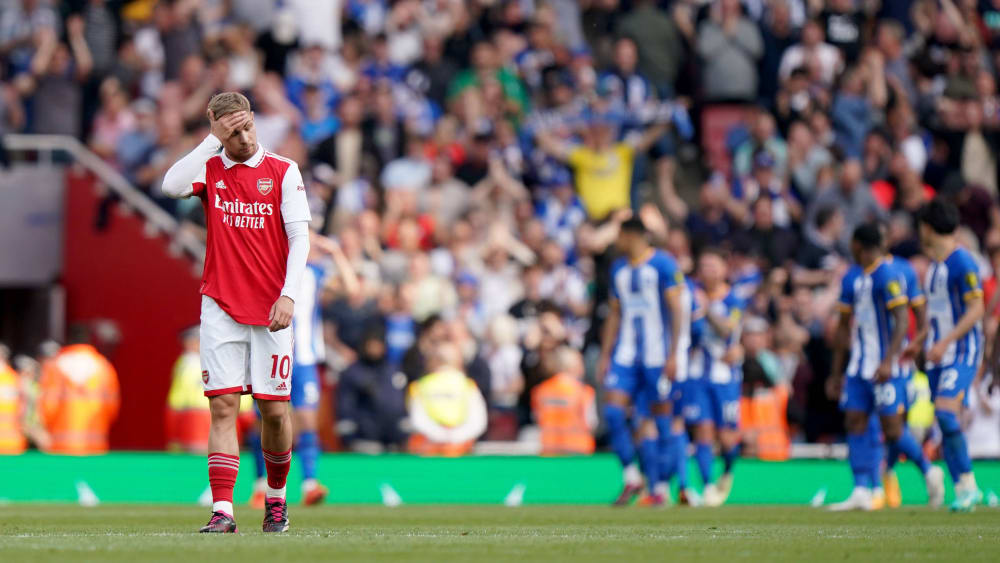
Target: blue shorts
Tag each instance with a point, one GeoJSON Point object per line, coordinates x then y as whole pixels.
{"type": "Point", "coordinates": [305, 387]}
{"type": "Point", "coordinates": [951, 381]}
{"type": "Point", "coordinates": [693, 402]}
{"type": "Point", "coordinates": [643, 385]}
{"type": "Point", "coordinates": [725, 400]}
{"type": "Point", "coordinates": [866, 396]}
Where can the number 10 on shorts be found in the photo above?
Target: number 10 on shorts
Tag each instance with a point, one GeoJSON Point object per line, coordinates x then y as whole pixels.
{"type": "Point", "coordinates": [282, 367]}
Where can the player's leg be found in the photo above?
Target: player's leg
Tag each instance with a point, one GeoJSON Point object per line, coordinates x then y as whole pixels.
{"type": "Point", "coordinates": [876, 451]}
{"type": "Point", "coordinates": [857, 401]}
{"type": "Point", "coordinates": [223, 461]}
{"type": "Point", "coordinates": [260, 483]}
{"type": "Point", "coordinates": [305, 399]}
{"type": "Point", "coordinates": [950, 391]}
{"type": "Point", "coordinates": [651, 399]}
{"type": "Point", "coordinates": [619, 385]}
{"type": "Point", "coordinates": [270, 373]}
{"type": "Point", "coordinates": [890, 402]}
{"type": "Point", "coordinates": [728, 428]}
{"type": "Point", "coordinates": [224, 351]}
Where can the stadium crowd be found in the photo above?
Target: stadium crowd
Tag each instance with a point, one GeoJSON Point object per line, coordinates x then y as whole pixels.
{"type": "Point", "coordinates": [473, 161]}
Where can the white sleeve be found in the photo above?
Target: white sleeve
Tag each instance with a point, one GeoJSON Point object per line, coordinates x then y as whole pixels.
{"type": "Point", "coordinates": [180, 179]}
{"type": "Point", "coordinates": [294, 206]}
{"type": "Point", "coordinates": [298, 252]}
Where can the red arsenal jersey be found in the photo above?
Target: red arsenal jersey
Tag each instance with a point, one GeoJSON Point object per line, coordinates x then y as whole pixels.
{"type": "Point", "coordinates": [246, 207]}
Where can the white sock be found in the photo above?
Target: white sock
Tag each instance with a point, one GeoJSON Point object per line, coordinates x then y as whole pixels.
{"type": "Point", "coordinates": [661, 488]}
{"type": "Point", "coordinates": [309, 484]}
{"type": "Point", "coordinates": [260, 484]}
{"type": "Point", "coordinates": [223, 506]}
{"type": "Point", "coordinates": [275, 493]}
{"type": "Point", "coordinates": [631, 474]}
{"type": "Point", "coordinates": [967, 482]}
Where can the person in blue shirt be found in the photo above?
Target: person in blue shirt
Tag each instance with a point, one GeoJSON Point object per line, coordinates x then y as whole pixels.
{"type": "Point", "coordinates": [953, 349]}
{"type": "Point", "coordinates": [683, 392]}
{"type": "Point", "coordinates": [873, 323]}
{"type": "Point", "coordinates": [716, 377]}
{"type": "Point", "coordinates": [644, 345]}
{"type": "Point", "coordinates": [918, 307]}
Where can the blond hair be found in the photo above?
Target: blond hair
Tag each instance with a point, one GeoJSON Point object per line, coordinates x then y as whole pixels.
{"type": "Point", "coordinates": [227, 102]}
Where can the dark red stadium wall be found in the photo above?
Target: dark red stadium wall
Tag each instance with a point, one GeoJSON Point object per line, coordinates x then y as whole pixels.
{"type": "Point", "coordinates": [119, 273]}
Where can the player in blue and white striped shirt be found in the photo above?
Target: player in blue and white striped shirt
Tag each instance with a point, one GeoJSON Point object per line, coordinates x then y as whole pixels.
{"type": "Point", "coordinates": [874, 318]}
{"type": "Point", "coordinates": [954, 341]}
{"type": "Point", "coordinates": [644, 344]}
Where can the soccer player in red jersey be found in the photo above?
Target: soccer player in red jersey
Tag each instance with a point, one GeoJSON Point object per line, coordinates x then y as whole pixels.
{"type": "Point", "coordinates": [258, 240]}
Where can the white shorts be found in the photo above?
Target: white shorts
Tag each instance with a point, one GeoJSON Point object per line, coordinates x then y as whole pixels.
{"type": "Point", "coordinates": [239, 358]}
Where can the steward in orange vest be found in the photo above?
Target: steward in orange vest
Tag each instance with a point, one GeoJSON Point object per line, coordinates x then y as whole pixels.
{"type": "Point", "coordinates": [79, 400]}
{"type": "Point", "coordinates": [565, 408]}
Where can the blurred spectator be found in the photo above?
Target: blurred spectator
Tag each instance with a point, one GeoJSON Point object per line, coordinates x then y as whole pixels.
{"type": "Point", "coordinates": [729, 45]}
{"type": "Point", "coordinates": [370, 403]}
{"type": "Point", "coordinates": [188, 418]}
{"type": "Point", "coordinates": [565, 409]}
{"type": "Point", "coordinates": [445, 408]}
{"type": "Point", "coordinates": [12, 440]}
{"type": "Point", "coordinates": [506, 381]}
{"type": "Point", "coordinates": [79, 398]}
{"type": "Point", "coordinates": [658, 41]}
{"type": "Point", "coordinates": [29, 372]}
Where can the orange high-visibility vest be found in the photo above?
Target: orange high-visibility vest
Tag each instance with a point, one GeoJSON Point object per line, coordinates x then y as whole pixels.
{"type": "Point", "coordinates": [12, 440]}
{"type": "Point", "coordinates": [763, 416]}
{"type": "Point", "coordinates": [79, 400]}
{"type": "Point", "coordinates": [560, 405]}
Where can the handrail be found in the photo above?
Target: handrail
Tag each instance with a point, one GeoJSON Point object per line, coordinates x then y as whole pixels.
{"type": "Point", "coordinates": [155, 216]}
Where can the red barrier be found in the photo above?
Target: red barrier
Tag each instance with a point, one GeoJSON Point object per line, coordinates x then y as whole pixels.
{"type": "Point", "coordinates": [120, 273]}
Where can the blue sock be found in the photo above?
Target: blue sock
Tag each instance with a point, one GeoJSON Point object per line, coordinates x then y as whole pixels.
{"type": "Point", "coordinates": [703, 455]}
{"type": "Point", "coordinates": [892, 453]}
{"type": "Point", "coordinates": [908, 446]}
{"type": "Point", "coordinates": [665, 441]}
{"type": "Point", "coordinates": [308, 453]}
{"type": "Point", "coordinates": [258, 454]}
{"type": "Point", "coordinates": [681, 459]}
{"type": "Point", "coordinates": [953, 446]}
{"type": "Point", "coordinates": [729, 458]}
{"type": "Point", "coordinates": [618, 432]}
{"type": "Point", "coordinates": [859, 459]}
{"type": "Point", "coordinates": [649, 459]}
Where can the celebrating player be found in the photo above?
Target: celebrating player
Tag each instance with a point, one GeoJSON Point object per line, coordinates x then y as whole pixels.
{"type": "Point", "coordinates": [642, 348]}
{"type": "Point", "coordinates": [258, 241]}
{"type": "Point", "coordinates": [954, 342]}
{"type": "Point", "coordinates": [714, 408]}
{"type": "Point", "coordinates": [874, 317]}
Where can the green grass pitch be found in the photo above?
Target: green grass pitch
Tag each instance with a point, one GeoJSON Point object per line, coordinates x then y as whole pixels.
{"type": "Point", "coordinates": [139, 533]}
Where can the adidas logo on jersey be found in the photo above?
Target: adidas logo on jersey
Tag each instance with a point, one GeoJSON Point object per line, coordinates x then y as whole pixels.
{"type": "Point", "coordinates": [282, 387]}
{"type": "Point", "coordinates": [220, 185]}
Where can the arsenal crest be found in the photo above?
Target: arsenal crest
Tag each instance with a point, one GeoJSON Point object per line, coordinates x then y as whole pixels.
{"type": "Point", "coordinates": [264, 185]}
{"type": "Point", "coordinates": [204, 376]}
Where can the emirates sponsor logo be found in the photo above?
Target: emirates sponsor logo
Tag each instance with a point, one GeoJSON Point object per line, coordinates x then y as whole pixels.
{"type": "Point", "coordinates": [264, 185]}
{"type": "Point", "coordinates": [242, 214]}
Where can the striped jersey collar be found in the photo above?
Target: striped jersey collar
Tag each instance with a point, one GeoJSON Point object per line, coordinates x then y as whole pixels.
{"type": "Point", "coordinates": [253, 162]}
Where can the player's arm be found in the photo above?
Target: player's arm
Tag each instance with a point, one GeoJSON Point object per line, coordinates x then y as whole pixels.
{"type": "Point", "coordinates": [973, 314]}
{"type": "Point", "coordinates": [676, 307]}
{"type": "Point", "coordinates": [972, 293]}
{"type": "Point", "coordinates": [901, 323]}
{"type": "Point", "coordinates": [180, 179]}
{"type": "Point", "coordinates": [296, 216]}
{"type": "Point", "coordinates": [609, 335]}
{"type": "Point", "coordinates": [841, 340]}
{"type": "Point", "coordinates": [724, 326]}
{"type": "Point", "coordinates": [919, 308]}
{"type": "Point", "coordinates": [348, 276]}
{"type": "Point", "coordinates": [555, 147]}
